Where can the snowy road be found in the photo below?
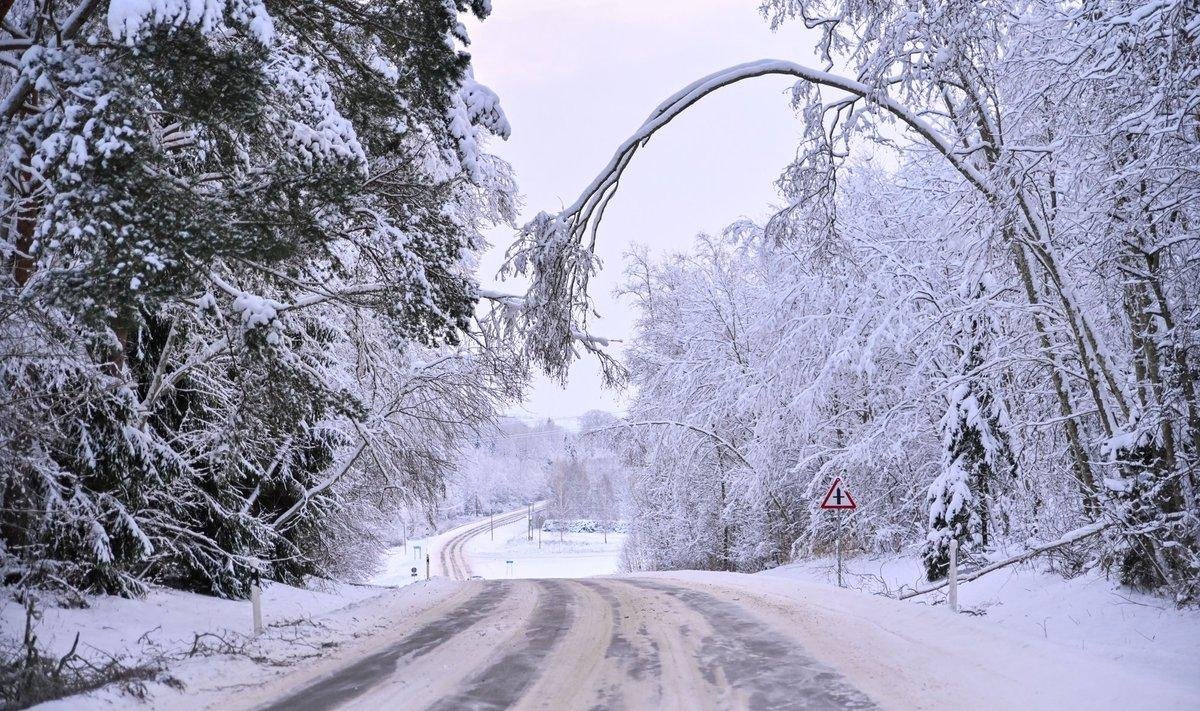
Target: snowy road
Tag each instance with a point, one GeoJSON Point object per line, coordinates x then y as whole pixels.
{"type": "Point", "coordinates": [452, 554]}
{"type": "Point", "coordinates": [584, 644]}
{"type": "Point", "coordinates": [683, 640]}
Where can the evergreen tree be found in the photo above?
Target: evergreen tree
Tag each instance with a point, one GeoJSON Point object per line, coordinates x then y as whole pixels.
{"type": "Point", "coordinates": [217, 201]}
{"type": "Point", "coordinates": [977, 457]}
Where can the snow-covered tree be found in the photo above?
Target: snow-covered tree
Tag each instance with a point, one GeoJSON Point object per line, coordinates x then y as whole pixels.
{"type": "Point", "coordinates": [1074, 170]}
{"type": "Point", "coordinates": [239, 247]}
{"type": "Point", "coordinates": [978, 460]}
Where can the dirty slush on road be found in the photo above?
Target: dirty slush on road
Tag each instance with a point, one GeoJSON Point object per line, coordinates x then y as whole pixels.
{"type": "Point", "coordinates": [596, 644]}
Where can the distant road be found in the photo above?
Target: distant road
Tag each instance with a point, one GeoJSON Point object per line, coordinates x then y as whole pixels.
{"type": "Point", "coordinates": [452, 556]}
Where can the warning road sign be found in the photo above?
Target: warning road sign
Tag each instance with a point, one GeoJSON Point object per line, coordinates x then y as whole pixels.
{"type": "Point", "coordinates": [838, 497]}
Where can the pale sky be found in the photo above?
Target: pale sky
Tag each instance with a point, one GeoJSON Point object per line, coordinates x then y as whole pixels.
{"type": "Point", "coordinates": [576, 77]}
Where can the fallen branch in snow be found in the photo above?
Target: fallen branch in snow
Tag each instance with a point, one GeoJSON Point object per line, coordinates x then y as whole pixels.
{"type": "Point", "coordinates": [1067, 539]}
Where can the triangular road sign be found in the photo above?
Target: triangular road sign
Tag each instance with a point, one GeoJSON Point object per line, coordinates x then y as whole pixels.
{"type": "Point", "coordinates": [838, 497]}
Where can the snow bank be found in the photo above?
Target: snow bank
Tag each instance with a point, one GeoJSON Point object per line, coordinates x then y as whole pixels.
{"type": "Point", "coordinates": [301, 625]}
{"type": "Point", "coordinates": [1087, 614]}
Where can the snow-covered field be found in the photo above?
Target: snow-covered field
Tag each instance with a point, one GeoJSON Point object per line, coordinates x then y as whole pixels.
{"type": "Point", "coordinates": [913, 656]}
{"type": "Point", "coordinates": [398, 562]}
{"type": "Point", "coordinates": [207, 643]}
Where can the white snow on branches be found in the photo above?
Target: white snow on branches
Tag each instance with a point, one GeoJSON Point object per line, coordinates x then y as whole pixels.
{"type": "Point", "coordinates": [131, 20]}
{"type": "Point", "coordinates": [474, 112]}
{"type": "Point", "coordinates": [319, 131]}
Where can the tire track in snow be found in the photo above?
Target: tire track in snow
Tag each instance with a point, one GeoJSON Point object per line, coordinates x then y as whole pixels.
{"type": "Point", "coordinates": [503, 683]}
{"type": "Point", "coordinates": [351, 681]}
{"type": "Point", "coordinates": [636, 659]}
{"type": "Point", "coordinates": [770, 670]}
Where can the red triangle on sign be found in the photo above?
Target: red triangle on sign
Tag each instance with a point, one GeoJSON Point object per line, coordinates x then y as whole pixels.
{"type": "Point", "coordinates": [838, 497]}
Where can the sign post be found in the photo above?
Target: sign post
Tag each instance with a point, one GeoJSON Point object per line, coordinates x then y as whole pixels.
{"type": "Point", "coordinates": [836, 499]}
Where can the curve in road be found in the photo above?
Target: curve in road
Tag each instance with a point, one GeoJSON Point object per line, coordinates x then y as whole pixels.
{"type": "Point", "coordinates": [452, 555]}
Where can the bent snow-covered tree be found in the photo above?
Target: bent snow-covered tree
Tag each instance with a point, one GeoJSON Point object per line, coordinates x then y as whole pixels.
{"type": "Point", "coordinates": [237, 248]}
{"type": "Point", "coordinates": [1080, 172]}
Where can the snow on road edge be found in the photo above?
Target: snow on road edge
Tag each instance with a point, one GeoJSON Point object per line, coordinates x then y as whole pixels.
{"type": "Point", "coordinates": [306, 629]}
{"type": "Point", "coordinates": [909, 656]}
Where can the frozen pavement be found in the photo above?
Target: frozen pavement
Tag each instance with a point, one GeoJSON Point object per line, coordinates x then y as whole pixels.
{"type": "Point", "coordinates": [688, 640]}
{"type": "Point", "coordinates": [701, 641]}
{"type": "Point", "coordinates": [596, 644]}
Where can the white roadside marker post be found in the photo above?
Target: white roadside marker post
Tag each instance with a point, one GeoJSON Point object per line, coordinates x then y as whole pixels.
{"type": "Point", "coordinates": [492, 527]}
{"type": "Point", "coordinates": [427, 566]}
{"type": "Point", "coordinates": [953, 575]}
{"type": "Point", "coordinates": [256, 606]}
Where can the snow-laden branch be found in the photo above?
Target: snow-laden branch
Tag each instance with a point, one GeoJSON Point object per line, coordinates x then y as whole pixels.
{"type": "Point", "coordinates": [321, 487]}
{"type": "Point", "coordinates": [1067, 539]}
{"type": "Point", "coordinates": [721, 441]}
{"type": "Point", "coordinates": [557, 251]}
{"type": "Point", "coordinates": [519, 302]}
{"type": "Point", "coordinates": [15, 98]}
{"type": "Point", "coordinates": [162, 383]}
{"type": "Point", "coordinates": [588, 209]}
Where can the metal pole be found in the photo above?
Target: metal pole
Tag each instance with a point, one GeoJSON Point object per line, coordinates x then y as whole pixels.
{"type": "Point", "coordinates": [953, 593]}
{"type": "Point", "coordinates": [427, 566]}
{"type": "Point", "coordinates": [839, 547]}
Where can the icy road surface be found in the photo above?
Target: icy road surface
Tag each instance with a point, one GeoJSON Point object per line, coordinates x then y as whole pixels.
{"type": "Point", "coordinates": [604, 643]}
{"type": "Point", "coordinates": [680, 640]}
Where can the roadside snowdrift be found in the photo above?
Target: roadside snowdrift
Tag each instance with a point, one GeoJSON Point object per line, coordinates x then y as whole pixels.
{"type": "Point", "coordinates": [914, 656]}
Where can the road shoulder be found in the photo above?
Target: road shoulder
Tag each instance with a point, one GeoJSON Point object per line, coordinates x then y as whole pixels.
{"type": "Point", "coordinates": [910, 656]}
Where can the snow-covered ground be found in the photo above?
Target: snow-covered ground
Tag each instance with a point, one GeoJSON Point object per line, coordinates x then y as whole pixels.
{"type": "Point", "coordinates": [398, 562]}
{"type": "Point", "coordinates": [913, 656]}
{"type": "Point", "coordinates": [207, 643]}
{"type": "Point", "coordinates": [565, 555]}
{"type": "Point", "coordinates": [1042, 632]}
{"type": "Point", "coordinates": [1088, 614]}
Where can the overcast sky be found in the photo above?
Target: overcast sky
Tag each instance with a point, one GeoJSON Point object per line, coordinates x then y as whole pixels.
{"type": "Point", "coordinates": [576, 77]}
